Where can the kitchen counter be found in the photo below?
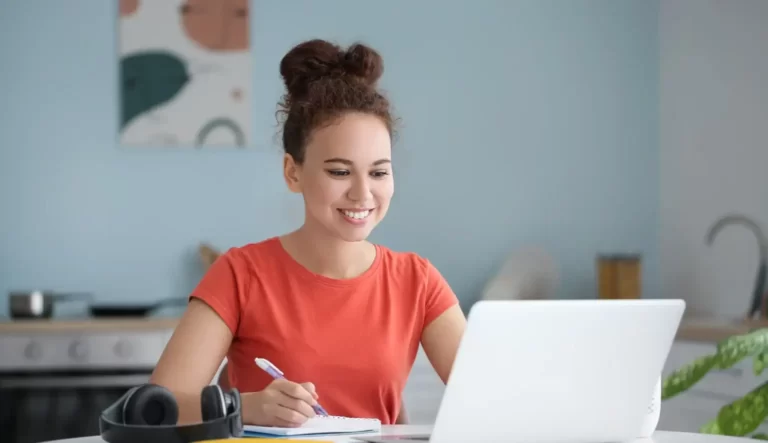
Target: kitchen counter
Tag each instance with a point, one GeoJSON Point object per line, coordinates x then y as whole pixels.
{"type": "Point", "coordinates": [713, 330]}
{"type": "Point", "coordinates": [691, 329]}
{"type": "Point", "coordinates": [85, 324]}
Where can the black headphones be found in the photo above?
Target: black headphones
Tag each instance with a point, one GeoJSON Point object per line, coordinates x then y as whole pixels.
{"type": "Point", "coordinates": [148, 414]}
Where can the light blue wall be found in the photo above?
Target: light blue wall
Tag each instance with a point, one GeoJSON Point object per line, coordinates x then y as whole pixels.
{"type": "Point", "coordinates": [526, 122]}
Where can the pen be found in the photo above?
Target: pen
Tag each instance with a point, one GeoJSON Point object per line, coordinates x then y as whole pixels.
{"type": "Point", "coordinates": [272, 370]}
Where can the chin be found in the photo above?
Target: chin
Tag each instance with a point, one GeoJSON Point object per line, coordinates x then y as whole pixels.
{"type": "Point", "coordinates": [353, 237]}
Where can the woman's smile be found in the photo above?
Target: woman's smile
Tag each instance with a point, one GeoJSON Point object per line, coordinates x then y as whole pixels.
{"type": "Point", "coordinates": [355, 216]}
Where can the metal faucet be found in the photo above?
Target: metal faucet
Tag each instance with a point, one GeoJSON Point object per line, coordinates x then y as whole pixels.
{"type": "Point", "coordinates": [759, 290]}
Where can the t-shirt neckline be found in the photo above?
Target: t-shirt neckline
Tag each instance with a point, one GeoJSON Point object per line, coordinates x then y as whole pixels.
{"type": "Point", "coordinates": [299, 270]}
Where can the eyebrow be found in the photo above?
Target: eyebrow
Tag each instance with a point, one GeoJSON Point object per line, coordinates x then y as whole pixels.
{"type": "Point", "coordinates": [349, 162]}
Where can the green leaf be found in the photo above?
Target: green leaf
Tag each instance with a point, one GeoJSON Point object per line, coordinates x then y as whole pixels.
{"type": "Point", "coordinates": [760, 436]}
{"type": "Point", "coordinates": [744, 415]}
{"type": "Point", "coordinates": [711, 428]}
{"type": "Point", "coordinates": [760, 362]}
{"type": "Point", "coordinates": [687, 376]}
{"type": "Point", "coordinates": [734, 349]}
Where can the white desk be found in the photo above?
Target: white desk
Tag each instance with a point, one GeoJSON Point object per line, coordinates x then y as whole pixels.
{"type": "Point", "coordinates": [658, 437]}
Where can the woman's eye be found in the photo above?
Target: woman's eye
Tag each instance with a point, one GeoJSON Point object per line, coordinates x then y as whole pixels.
{"type": "Point", "coordinates": [338, 172]}
{"type": "Point", "coordinates": [380, 174]}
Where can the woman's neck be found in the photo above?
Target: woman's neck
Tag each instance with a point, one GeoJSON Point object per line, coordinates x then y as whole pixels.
{"type": "Point", "coordinates": [328, 256]}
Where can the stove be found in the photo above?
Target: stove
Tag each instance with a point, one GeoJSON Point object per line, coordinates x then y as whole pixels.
{"type": "Point", "coordinates": [125, 345]}
{"type": "Point", "coordinates": [64, 372]}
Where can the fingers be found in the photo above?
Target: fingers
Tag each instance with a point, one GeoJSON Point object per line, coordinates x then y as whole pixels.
{"type": "Point", "coordinates": [273, 407]}
{"type": "Point", "coordinates": [277, 421]}
{"type": "Point", "coordinates": [288, 404]}
{"type": "Point", "coordinates": [296, 405]}
{"type": "Point", "coordinates": [285, 417]}
{"type": "Point", "coordinates": [296, 391]}
{"type": "Point", "coordinates": [311, 388]}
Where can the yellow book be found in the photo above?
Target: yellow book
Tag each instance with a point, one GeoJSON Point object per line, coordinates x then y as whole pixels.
{"type": "Point", "coordinates": [264, 440]}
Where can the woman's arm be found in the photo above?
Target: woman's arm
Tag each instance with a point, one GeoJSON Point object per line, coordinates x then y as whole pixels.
{"type": "Point", "coordinates": [223, 380]}
{"type": "Point", "coordinates": [192, 357]}
{"type": "Point", "coordinates": [441, 339]}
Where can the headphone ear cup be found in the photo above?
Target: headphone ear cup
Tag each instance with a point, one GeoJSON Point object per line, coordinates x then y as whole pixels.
{"type": "Point", "coordinates": [213, 405]}
{"type": "Point", "coordinates": [150, 405]}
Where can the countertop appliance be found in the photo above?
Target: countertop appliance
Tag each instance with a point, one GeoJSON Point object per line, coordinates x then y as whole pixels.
{"type": "Point", "coordinates": [56, 376]}
{"type": "Point", "coordinates": [40, 304]}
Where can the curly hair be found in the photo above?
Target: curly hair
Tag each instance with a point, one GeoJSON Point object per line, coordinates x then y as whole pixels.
{"type": "Point", "coordinates": [323, 82]}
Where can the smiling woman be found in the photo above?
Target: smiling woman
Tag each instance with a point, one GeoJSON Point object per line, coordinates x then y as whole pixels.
{"type": "Point", "coordinates": [341, 317]}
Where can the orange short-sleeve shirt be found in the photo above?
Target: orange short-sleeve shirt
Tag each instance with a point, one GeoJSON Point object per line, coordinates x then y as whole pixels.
{"type": "Point", "coordinates": [355, 339]}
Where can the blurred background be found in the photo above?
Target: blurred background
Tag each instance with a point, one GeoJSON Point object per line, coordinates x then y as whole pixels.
{"type": "Point", "coordinates": [553, 149]}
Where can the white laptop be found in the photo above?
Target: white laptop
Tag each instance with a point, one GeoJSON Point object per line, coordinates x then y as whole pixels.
{"type": "Point", "coordinates": [554, 371]}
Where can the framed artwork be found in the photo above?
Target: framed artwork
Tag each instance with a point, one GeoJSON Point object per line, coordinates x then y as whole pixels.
{"type": "Point", "coordinates": [185, 73]}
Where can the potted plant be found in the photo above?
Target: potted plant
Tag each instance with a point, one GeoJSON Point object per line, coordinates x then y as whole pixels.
{"type": "Point", "coordinates": [742, 416]}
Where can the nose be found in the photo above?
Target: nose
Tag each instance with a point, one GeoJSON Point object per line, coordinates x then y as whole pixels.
{"type": "Point", "coordinates": [360, 190]}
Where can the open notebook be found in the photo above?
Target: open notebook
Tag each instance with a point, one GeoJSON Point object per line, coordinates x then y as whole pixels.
{"type": "Point", "coordinates": [319, 425]}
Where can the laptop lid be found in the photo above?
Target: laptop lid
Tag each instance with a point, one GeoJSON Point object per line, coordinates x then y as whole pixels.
{"type": "Point", "coordinates": [556, 371]}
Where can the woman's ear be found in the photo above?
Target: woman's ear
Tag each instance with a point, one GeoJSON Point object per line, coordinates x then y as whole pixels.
{"type": "Point", "coordinates": [292, 173]}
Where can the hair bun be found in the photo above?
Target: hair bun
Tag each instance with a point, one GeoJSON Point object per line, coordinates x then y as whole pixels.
{"type": "Point", "coordinates": [316, 59]}
{"type": "Point", "coordinates": [364, 62]}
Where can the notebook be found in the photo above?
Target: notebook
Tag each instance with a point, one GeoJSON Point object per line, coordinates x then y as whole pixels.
{"type": "Point", "coordinates": [319, 425]}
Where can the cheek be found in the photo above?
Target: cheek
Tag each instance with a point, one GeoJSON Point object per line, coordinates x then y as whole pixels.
{"type": "Point", "coordinates": [323, 191]}
{"type": "Point", "coordinates": [384, 190]}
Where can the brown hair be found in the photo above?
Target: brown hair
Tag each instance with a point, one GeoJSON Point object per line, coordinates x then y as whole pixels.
{"type": "Point", "coordinates": [323, 82]}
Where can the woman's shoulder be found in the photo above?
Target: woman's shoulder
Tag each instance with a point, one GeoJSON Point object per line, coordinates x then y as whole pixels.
{"type": "Point", "coordinates": [243, 261]}
{"type": "Point", "coordinates": [398, 262]}
{"type": "Point", "coordinates": [416, 275]}
{"type": "Point", "coordinates": [256, 251]}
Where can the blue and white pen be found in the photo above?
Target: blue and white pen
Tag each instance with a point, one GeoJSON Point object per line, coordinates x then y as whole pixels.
{"type": "Point", "coordinates": [272, 370]}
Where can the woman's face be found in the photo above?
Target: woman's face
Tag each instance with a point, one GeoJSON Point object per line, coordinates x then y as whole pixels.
{"type": "Point", "coordinates": [346, 177]}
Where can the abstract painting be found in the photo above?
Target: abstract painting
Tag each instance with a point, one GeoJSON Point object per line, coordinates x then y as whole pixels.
{"type": "Point", "coordinates": [185, 73]}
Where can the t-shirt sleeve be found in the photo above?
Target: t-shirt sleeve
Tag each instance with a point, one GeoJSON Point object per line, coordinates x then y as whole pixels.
{"type": "Point", "coordinates": [439, 295]}
{"type": "Point", "coordinates": [223, 288]}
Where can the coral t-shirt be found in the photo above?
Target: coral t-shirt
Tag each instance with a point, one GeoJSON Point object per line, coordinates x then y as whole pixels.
{"type": "Point", "coordinates": [355, 339]}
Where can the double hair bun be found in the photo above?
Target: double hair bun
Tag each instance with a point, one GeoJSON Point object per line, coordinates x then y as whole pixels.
{"type": "Point", "coordinates": [317, 59]}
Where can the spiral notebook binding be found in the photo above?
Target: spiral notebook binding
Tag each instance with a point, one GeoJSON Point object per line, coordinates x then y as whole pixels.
{"type": "Point", "coordinates": [341, 417]}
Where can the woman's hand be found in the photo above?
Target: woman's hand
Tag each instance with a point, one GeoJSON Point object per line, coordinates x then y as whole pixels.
{"type": "Point", "coordinates": [283, 403]}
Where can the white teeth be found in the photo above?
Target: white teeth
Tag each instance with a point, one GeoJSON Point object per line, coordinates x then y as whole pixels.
{"type": "Point", "coordinates": [356, 215]}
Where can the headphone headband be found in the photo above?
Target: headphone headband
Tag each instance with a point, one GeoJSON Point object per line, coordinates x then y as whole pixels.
{"type": "Point", "coordinates": [114, 429]}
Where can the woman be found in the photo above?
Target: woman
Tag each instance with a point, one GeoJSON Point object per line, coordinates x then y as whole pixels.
{"type": "Point", "coordinates": [341, 317]}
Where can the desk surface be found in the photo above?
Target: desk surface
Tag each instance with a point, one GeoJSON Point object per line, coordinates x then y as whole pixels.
{"type": "Point", "coordinates": [658, 436]}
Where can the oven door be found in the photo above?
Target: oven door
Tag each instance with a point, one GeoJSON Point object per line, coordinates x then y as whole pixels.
{"type": "Point", "coordinates": [37, 407]}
